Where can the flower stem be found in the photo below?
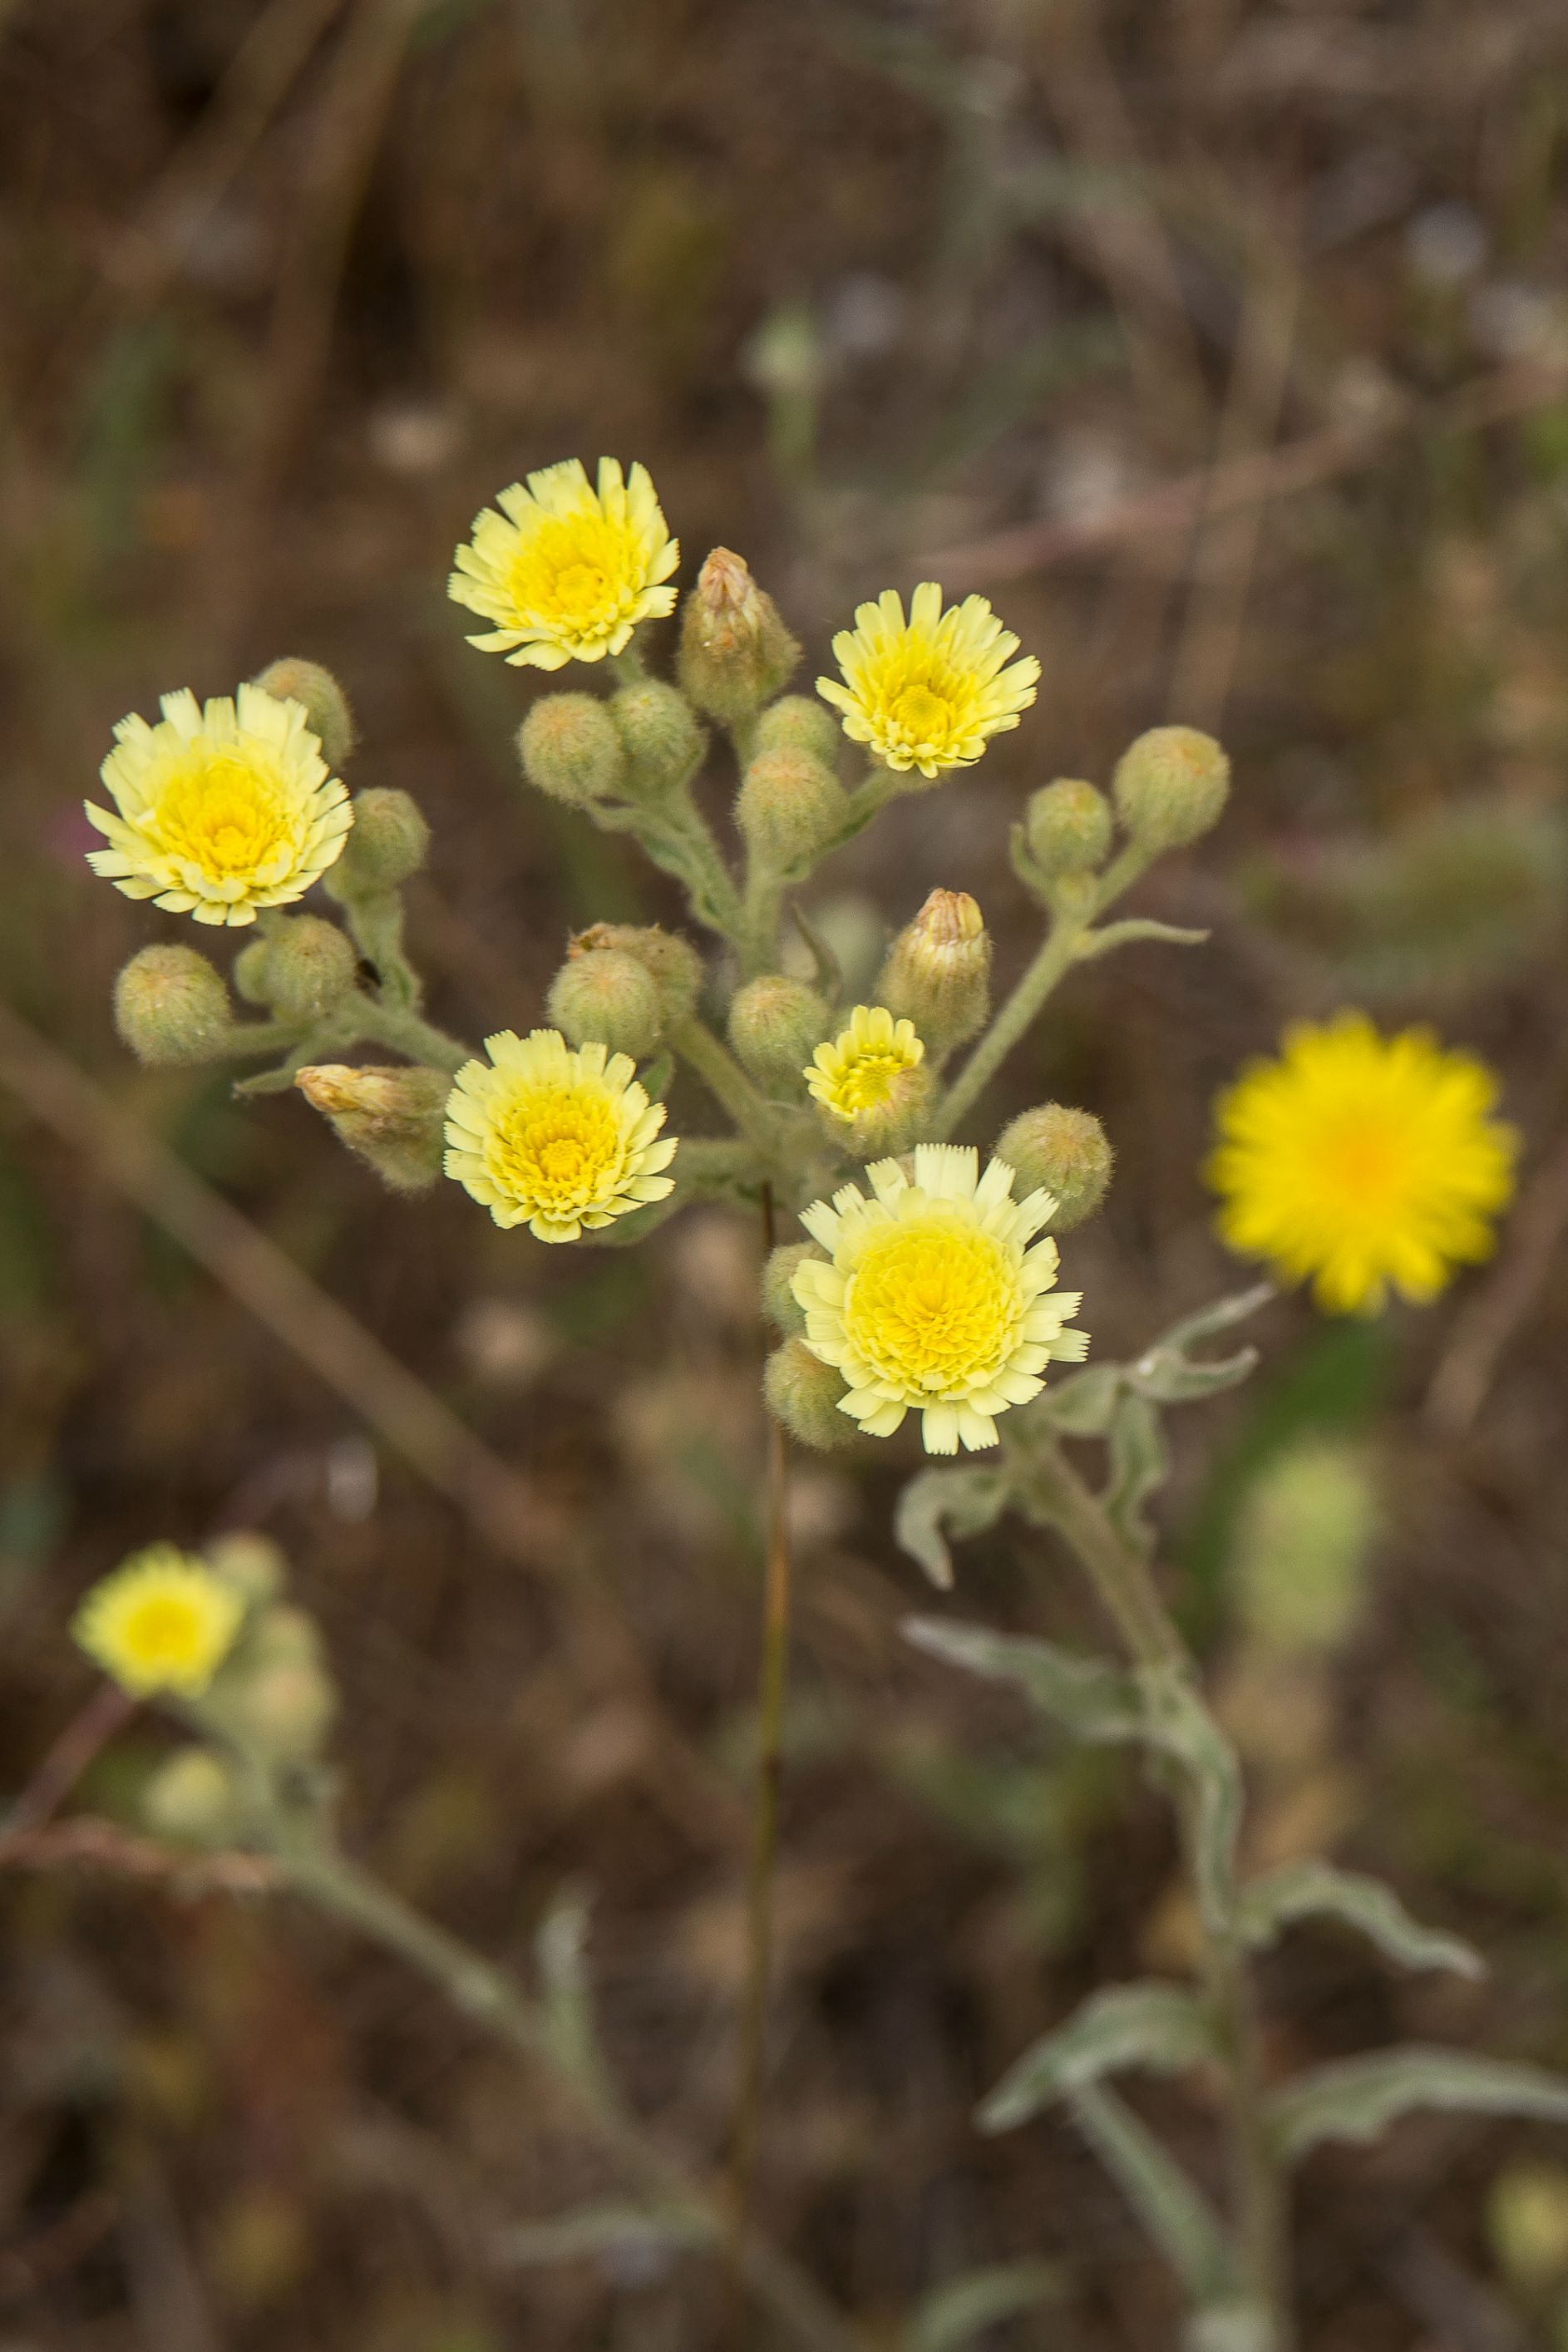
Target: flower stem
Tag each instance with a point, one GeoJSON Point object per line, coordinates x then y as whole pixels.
{"type": "Point", "coordinates": [726, 1081]}
{"type": "Point", "coordinates": [406, 1032]}
{"type": "Point", "coordinates": [1128, 1590]}
{"type": "Point", "coordinates": [1051, 960]}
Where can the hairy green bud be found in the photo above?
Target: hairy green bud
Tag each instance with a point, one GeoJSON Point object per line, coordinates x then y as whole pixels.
{"type": "Point", "coordinates": [1062, 1151]}
{"type": "Point", "coordinates": [938, 971]}
{"type": "Point", "coordinates": [790, 805]}
{"type": "Point", "coordinates": [775, 1026]}
{"type": "Point", "coordinates": [284, 1708]}
{"type": "Point", "coordinates": [1068, 827]}
{"type": "Point", "coordinates": [282, 1635]}
{"type": "Point", "coordinates": [663, 742]}
{"type": "Point", "coordinates": [803, 1395]}
{"type": "Point", "coordinates": [388, 841]}
{"type": "Point", "coordinates": [780, 1305]}
{"type": "Point", "coordinates": [673, 963]}
{"type": "Point", "coordinates": [250, 1561]}
{"type": "Point", "coordinates": [605, 993]}
{"type": "Point", "coordinates": [890, 1126]}
{"type": "Point", "coordinates": [248, 971]}
{"type": "Point", "coordinates": [798, 722]}
{"type": "Point", "coordinates": [311, 967]}
{"type": "Point", "coordinates": [1303, 1538]}
{"type": "Point", "coordinates": [170, 1006]}
{"type": "Point", "coordinates": [392, 1116]}
{"type": "Point", "coordinates": [323, 699]}
{"type": "Point", "coordinates": [735, 651]}
{"type": "Point", "coordinates": [571, 750]}
{"type": "Point", "coordinates": [1170, 787]}
{"type": "Point", "coordinates": [192, 1799]}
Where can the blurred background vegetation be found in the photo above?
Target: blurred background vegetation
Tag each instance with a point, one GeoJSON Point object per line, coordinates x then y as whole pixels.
{"type": "Point", "coordinates": [1225, 344]}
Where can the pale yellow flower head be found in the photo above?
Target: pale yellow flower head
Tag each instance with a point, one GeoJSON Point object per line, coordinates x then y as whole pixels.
{"type": "Point", "coordinates": [163, 1621]}
{"type": "Point", "coordinates": [927, 692]}
{"type": "Point", "coordinates": [554, 1139]}
{"type": "Point", "coordinates": [932, 1299]}
{"type": "Point", "coordinates": [222, 808]}
{"type": "Point", "coordinates": [860, 1070]}
{"type": "Point", "coordinates": [1361, 1161]}
{"type": "Point", "coordinates": [565, 571]}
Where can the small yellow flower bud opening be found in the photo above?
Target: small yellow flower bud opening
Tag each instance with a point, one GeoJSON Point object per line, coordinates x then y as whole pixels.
{"type": "Point", "coordinates": [776, 1024]}
{"type": "Point", "coordinates": [311, 967]}
{"type": "Point", "coordinates": [938, 971]}
{"type": "Point", "coordinates": [805, 1394]}
{"type": "Point", "coordinates": [735, 651]}
{"type": "Point", "coordinates": [391, 1116]}
{"type": "Point", "coordinates": [170, 1006]}
{"type": "Point", "coordinates": [1068, 827]}
{"type": "Point", "coordinates": [1171, 786]}
{"type": "Point", "coordinates": [871, 1084]}
{"type": "Point", "coordinates": [664, 744]}
{"type": "Point", "coordinates": [789, 805]}
{"type": "Point", "coordinates": [605, 993]}
{"type": "Point", "coordinates": [1062, 1151]}
{"type": "Point", "coordinates": [672, 963]}
{"type": "Point", "coordinates": [390, 842]}
{"type": "Point", "coordinates": [570, 749]}
{"type": "Point", "coordinates": [326, 707]}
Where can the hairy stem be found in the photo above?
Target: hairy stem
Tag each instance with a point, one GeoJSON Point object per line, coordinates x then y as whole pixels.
{"type": "Point", "coordinates": [406, 1032]}
{"type": "Point", "coordinates": [726, 1081]}
{"type": "Point", "coordinates": [1056, 953]}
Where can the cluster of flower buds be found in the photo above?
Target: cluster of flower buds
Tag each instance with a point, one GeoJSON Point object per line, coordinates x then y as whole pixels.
{"type": "Point", "coordinates": [627, 986]}
{"type": "Point", "coordinates": [1169, 788]}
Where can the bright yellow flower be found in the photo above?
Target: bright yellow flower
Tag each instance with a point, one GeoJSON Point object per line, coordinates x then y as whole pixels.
{"type": "Point", "coordinates": [163, 1621]}
{"type": "Point", "coordinates": [931, 1299]}
{"type": "Point", "coordinates": [554, 1138]}
{"type": "Point", "coordinates": [566, 571]}
{"type": "Point", "coordinates": [859, 1070]}
{"type": "Point", "coordinates": [1362, 1161]}
{"type": "Point", "coordinates": [222, 808]}
{"type": "Point", "coordinates": [927, 692]}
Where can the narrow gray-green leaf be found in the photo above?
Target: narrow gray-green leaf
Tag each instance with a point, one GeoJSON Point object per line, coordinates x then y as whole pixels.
{"type": "Point", "coordinates": [1082, 1404]}
{"type": "Point", "coordinates": [561, 1944]}
{"type": "Point", "coordinates": [1139, 1463]}
{"type": "Point", "coordinates": [1182, 1725]}
{"type": "Point", "coordinates": [954, 2314]}
{"type": "Point", "coordinates": [936, 1503]}
{"type": "Point", "coordinates": [1179, 2220]}
{"type": "Point", "coordinates": [1220, 1315]}
{"type": "Point", "coordinates": [1093, 1701]}
{"type": "Point", "coordinates": [1358, 2098]}
{"type": "Point", "coordinates": [617, 2230]}
{"type": "Point", "coordinates": [1166, 1373]}
{"type": "Point", "coordinates": [1161, 2026]}
{"type": "Point", "coordinates": [1307, 1890]}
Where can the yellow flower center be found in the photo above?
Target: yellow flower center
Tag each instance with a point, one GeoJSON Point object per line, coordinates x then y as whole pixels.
{"type": "Point", "coordinates": [932, 1305]}
{"type": "Point", "coordinates": [163, 1635]}
{"type": "Point", "coordinates": [920, 715]}
{"type": "Point", "coordinates": [577, 574]}
{"type": "Point", "coordinates": [1364, 1164]}
{"type": "Point", "coordinates": [555, 1148]}
{"type": "Point", "coordinates": [867, 1082]}
{"type": "Point", "coordinates": [223, 813]}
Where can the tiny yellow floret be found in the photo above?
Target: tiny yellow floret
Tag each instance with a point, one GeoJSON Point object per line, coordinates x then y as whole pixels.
{"type": "Point", "coordinates": [554, 1139]}
{"type": "Point", "coordinates": [222, 808]}
{"type": "Point", "coordinates": [931, 1299]}
{"type": "Point", "coordinates": [927, 692]}
{"type": "Point", "coordinates": [565, 571]}
{"type": "Point", "coordinates": [858, 1070]}
{"type": "Point", "coordinates": [1362, 1162]}
{"type": "Point", "coordinates": [163, 1621]}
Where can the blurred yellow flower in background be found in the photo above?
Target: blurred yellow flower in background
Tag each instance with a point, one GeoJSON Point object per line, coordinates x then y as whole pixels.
{"type": "Point", "coordinates": [565, 570]}
{"type": "Point", "coordinates": [927, 692]}
{"type": "Point", "coordinates": [163, 1621]}
{"type": "Point", "coordinates": [555, 1139]}
{"type": "Point", "coordinates": [858, 1070]}
{"type": "Point", "coordinates": [221, 809]}
{"type": "Point", "coordinates": [931, 1300]}
{"type": "Point", "coordinates": [1361, 1161]}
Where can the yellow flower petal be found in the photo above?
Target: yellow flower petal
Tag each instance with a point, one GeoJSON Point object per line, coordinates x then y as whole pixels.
{"type": "Point", "coordinates": [163, 1622]}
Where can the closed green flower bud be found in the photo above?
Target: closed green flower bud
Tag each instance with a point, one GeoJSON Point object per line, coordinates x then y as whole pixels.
{"type": "Point", "coordinates": [1304, 1537]}
{"type": "Point", "coordinates": [284, 1709]}
{"type": "Point", "coordinates": [780, 1304]}
{"type": "Point", "coordinates": [664, 744]}
{"type": "Point", "coordinates": [571, 750]}
{"type": "Point", "coordinates": [798, 722]}
{"type": "Point", "coordinates": [250, 1561]}
{"type": "Point", "coordinates": [803, 1395]}
{"type": "Point", "coordinates": [775, 1025]}
{"type": "Point", "coordinates": [1068, 827]}
{"type": "Point", "coordinates": [735, 651]}
{"type": "Point", "coordinates": [323, 701]}
{"type": "Point", "coordinates": [605, 993]}
{"type": "Point", "coordinates": [1170, 787]}
{"type": "Point", "coordinates": [388, 841]}
{"type": "Point", "coordinates": [312, 966]}
{"type": "Point", "coordinates": [192, 1799]}
{"type": "Point", "coordinates": [392, 1116]}
{"type": "Point", "coordinates": [282, 1635]}
{"type": "Point", "coordinates": [1527, 2215]}
{"type": "Point", "coordinates": [1063, 1153]}
{"type": "Point", "coordinates": [938, 971]}
{"type": "Point", "coordinates": [790, 805]}
{"type": "Point", "coordinates": [673, 963]}
{"type": "Point", "coordinates": [248, 971]}
{"type": "Point", "coordinates": [171, 1006]}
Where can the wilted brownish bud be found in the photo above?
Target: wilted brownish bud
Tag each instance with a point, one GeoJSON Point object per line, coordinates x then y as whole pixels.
{"type": "Point", "coordinates": [735, 651]}
{"type": "Point", "coordinates": [391, 1116]}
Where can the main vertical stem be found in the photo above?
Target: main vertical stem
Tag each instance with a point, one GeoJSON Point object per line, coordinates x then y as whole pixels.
{"type": "Point", "coordinates": [772, 1683]}
{"type": "Point", "coordinates": [1130, 1596]}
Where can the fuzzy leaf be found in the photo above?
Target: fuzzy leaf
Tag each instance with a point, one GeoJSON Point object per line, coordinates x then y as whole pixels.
{"type": "Point", "coordinates": [1182, 1725]}
{"type": "Point", "coordinates": [955, 2312]}
{"type": "Point", "coordinates": [616, 2231]}
{"type": "Point", "coordinates": [1166, 1373]}
{"type": "Point", "coordinates": [1139, 1466]}
{"type": "Point", "coordinates": [559, 1946]}
{"type": "Point", "coordinates": [1307, 1890]}
{"type": "Point", "coordinates": [1178, 2218]}
{"type": "Point", "coordinates": [1082, 1405]}
{"type": "Point", "coordinates": [1358, 2098]}
{"type": "Point", "coordinates": [1093, 1701]}
{"type": "Point", "coordinates": [936, 1501]}
{"type": "Point", "coordinates": [1161, 2026]}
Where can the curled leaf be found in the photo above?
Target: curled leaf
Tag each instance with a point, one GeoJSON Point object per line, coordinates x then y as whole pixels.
{"type": "Point", "coordinates": [1306, 1890]}
{"type": "Point", "coordinates": [1358, 2098]}
{"type": "Point", "coordinates": [935, 1502]}
{"type": "Point", "coordinates": [1164, 2027]}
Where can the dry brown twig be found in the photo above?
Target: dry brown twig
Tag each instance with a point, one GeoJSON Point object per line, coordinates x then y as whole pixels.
{"type": "Point", "coordinates": [1487, 1324]}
